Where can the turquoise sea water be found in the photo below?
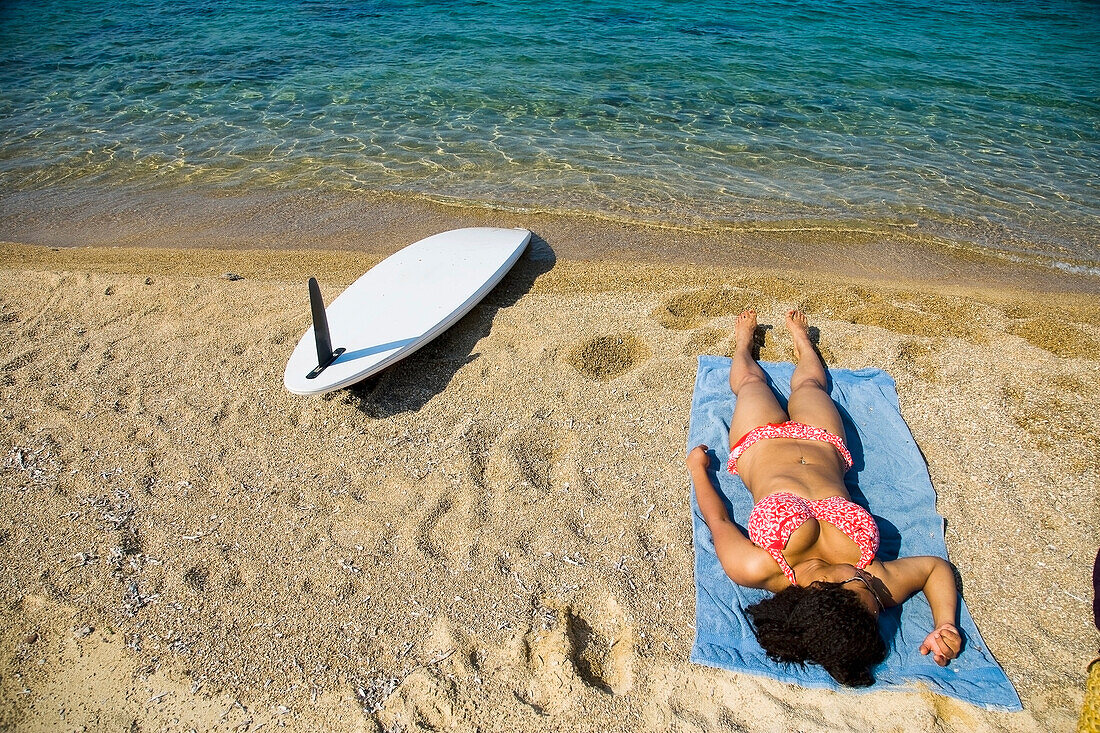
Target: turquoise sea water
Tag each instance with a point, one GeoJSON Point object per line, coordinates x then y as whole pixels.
{"type": "Point", "coordinates": [977, 119]}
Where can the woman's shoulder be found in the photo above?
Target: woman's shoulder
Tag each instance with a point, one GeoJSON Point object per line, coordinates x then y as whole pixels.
{"type": "Point", "coordinates": [905, 576]}
{"type": "Point", "coordinates": [749, 565]}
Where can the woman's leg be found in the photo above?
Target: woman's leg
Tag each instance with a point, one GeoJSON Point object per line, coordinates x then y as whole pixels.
{"type": "Point", "coordinates": [756, 404]}
{"type": "Point", "coordinates": [810, 402]}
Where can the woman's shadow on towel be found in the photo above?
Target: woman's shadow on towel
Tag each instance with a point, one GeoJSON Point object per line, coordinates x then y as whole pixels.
{"type": "Point", "coordinates": [409, 384]}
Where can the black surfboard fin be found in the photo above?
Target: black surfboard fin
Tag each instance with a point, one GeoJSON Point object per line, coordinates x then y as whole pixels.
{"type": "Point", "coordinates": [325, 353]}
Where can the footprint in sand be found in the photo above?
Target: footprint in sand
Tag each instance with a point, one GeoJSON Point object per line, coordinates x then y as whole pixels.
{"type": "Point", "coordinates": [427, 698]}
{"type": "Point", "coordinates": [422, 701]}
{"type": "Point", "coordinates": [566, 653]}
{"type": "Point", "coordinates": [448, 525]}
{"type": "Point", "coordinates": [603, 659]}
{"type": "Point", "coordinates": [454, 510]}
{"type": "Point", "coordinates": [704, 341]}
{"type": "Point", "coordinates": [532, 453]}
{"type": "Point", "coordinates": [606, 357]}
{"type": "Point", "coordinates": [690, 309]}
{"type": "Point", "coordinates": [22, 360]}
{"type": "Point", "coordinates": [487, 472]}
{"type": "Point", "coordinates": [527, 460]}
{"type": "Point", "coordinates": [478, 440]}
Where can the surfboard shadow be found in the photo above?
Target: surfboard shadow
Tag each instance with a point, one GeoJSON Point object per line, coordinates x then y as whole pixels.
{"type": "Point", "coordinates": [408, 385]}
{"type": "Point", "coordinates": [372, 350]}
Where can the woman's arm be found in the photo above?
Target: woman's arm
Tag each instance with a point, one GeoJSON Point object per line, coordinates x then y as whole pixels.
{"type": "Point", "coordinates": [936, 578]}
{"type": "Point", "coordinates": [710, 504]}
{"type": "Point", "coordinates": [744, 563]}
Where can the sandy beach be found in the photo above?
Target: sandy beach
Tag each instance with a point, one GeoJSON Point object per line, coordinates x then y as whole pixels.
{"type": "Point", "coordinates": [494, 534]}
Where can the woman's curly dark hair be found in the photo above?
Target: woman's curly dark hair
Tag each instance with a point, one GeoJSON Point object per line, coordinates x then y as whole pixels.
{"type": "Point", "coordinates": [823, 623]}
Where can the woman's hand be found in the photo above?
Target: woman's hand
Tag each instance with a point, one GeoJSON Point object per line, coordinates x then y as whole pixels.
{"type": "Point", "coordinates": [698, 458]}
{"type": "Point", "coordinates": [944, 644]}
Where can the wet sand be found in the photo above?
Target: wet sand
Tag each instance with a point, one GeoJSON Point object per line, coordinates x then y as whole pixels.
{"type": "Point", "coordinates": [380, 223]}
{"type": "Point", "coordinates": [493, 534]}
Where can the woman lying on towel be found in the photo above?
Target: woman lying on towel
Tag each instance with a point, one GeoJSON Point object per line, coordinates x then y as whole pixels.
{"type": "Point", "coordinates": [808, 543]}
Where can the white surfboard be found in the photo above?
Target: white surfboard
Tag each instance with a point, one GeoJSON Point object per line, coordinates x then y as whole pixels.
{"type": "Point", "coordinates": [401, 304]}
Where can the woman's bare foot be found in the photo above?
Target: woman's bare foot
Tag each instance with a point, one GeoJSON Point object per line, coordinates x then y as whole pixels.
{"type": "Point", "coordinates": [745, 330]}
{"type": "Point", "coordinates": [799, 329]}
{"type": "Point", "coordinates": [743, 367]}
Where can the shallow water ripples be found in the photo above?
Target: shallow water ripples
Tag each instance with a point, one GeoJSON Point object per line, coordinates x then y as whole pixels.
{"type": "Point", "coordinates": [949, 119]}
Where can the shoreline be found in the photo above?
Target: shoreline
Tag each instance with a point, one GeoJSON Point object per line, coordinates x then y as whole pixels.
{"type": "Point", "coordinates": [381, 223]}
{"type": "Point", "coordinates": [461, 542]}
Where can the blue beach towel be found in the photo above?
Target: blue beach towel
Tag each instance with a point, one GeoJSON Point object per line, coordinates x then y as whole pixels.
{"type": "Point", "coordinates": [891, 480]}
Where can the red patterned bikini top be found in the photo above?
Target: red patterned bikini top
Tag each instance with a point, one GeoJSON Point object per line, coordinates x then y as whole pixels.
{"type": "Point", "coordinates": [775, 518]}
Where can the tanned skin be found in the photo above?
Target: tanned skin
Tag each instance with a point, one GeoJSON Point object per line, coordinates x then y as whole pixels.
{"type": "Point", "coordinates": [816, 551]}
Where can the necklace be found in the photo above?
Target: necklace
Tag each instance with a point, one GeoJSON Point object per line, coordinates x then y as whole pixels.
{"type": "Point", "coordinates": [859, 576]}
